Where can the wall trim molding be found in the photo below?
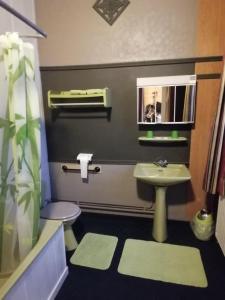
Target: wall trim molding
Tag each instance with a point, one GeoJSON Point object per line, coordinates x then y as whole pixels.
{"type": "Point", "coordinates": [136, 64]}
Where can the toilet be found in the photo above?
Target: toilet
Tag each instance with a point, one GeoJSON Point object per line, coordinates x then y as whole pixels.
{"type": "Point", "coordinates": [66, 212]}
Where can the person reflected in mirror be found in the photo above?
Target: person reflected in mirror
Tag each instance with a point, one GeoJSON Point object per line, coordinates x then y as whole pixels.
{"type": "Point", "coordinates": [150, 113]}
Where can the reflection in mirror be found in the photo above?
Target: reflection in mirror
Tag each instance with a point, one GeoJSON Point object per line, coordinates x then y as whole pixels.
{"type": "Point", "coordinates": [166, 104]}
{"type": "Point", "coordinates": [184, 103]}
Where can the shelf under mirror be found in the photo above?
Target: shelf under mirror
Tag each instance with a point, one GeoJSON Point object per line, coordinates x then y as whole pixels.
{"type": "Point", "coordinates": [162, 139]}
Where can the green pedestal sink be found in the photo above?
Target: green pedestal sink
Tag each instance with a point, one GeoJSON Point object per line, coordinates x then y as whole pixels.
{"type": "Point", "coordinates": [161, 178]}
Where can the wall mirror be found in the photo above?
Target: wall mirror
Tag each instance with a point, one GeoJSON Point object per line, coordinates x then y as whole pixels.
{"type": "Point", "coordinates": [166, 100]}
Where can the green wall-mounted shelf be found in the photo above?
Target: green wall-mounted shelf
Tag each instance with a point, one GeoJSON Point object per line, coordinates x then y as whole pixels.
{"type": "Point", "coordinates": [162, 139]}
{"type": "Point", "coordinates": [79, 98]}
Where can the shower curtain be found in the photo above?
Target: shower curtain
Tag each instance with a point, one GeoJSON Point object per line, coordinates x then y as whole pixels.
{"type": "Point", "coordinates": [20, 180]}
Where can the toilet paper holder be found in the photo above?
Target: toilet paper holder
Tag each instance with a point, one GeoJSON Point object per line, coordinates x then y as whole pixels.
{"type": "Point", "coordinates": [76, 168]}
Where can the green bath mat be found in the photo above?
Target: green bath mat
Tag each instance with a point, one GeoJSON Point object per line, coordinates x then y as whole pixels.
{"type": "Point", "coordinates": [95, 251]}
{"type": "Point", "coordinates": [164, 262]}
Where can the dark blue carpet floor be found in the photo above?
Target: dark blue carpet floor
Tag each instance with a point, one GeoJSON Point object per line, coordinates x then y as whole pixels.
{"type": "Point", "coordinates": [90, 284]}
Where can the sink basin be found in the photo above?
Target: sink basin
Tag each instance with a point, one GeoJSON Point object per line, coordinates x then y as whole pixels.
{"type": "Point", "coordinates": [159, 176]}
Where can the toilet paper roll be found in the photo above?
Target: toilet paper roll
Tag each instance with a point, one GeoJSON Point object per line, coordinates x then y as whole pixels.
{"type": "Point", "coordinates": [84, 159]}
{"type": "Point", "coordinates": [83, 168]}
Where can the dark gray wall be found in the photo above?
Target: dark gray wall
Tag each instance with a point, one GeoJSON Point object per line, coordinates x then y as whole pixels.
{"type": "Point", "coordinates": [111, 135]}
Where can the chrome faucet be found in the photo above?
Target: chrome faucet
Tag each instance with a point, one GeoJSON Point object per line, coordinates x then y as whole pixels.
{"type": "Point", "coordinates": [161, 163]}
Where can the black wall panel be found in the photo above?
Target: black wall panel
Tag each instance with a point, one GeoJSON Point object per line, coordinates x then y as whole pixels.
{"type": "Point", "coordinates": [110, 134]}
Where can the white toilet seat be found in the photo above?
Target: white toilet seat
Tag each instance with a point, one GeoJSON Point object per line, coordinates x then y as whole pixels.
{"type": "Point", "coordinates": [64, 211]}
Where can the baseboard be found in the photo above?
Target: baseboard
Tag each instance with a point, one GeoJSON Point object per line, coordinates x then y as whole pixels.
{"type": "Point", "coordinates": [107, 208]}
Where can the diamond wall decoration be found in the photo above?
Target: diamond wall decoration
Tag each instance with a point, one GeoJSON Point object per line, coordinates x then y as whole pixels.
{"type": "Point", "coordinates": [110, 10]}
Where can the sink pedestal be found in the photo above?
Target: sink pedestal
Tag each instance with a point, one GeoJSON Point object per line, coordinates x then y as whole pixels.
{"type": "Point", "coordinates": [160, 217]}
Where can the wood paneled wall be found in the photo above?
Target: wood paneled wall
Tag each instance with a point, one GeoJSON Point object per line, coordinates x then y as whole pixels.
{"type": "Point", "coordinates": [210, 41]}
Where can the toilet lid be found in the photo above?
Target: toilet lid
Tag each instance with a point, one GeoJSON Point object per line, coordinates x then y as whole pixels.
{"type": "Point", "coordinates": [60, 211]}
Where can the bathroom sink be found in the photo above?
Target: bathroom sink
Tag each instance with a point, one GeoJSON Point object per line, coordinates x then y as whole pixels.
{"type": "Point", "coordinates": [160, 176]}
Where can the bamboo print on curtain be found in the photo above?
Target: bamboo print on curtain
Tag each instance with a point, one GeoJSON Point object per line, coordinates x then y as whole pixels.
{"type": "Point", "coordinates": [19, 152]}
